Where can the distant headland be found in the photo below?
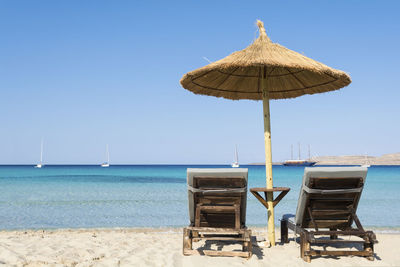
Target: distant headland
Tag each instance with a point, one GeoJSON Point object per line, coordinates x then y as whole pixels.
{"type": "Point", "coordinates": [386, 159]}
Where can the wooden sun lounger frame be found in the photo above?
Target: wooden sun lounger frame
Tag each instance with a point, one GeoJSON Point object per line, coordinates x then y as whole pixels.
{"type": "Point", "coordinates": [308, 238]}
{"type": "Point", "coordinates": [223, 227]}
{"type": "Point", "coordinates": [336, 228]}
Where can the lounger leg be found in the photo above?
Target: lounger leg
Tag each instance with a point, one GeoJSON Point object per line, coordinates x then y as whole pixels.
{"type": "Point", "coordinates": [247, 245]}
{"type": "Point", "coordinates": [284, 231]}
{"type": "Point", "coordinates": [301, 246]}
{"type": "Point", "coordinates": [308, 249]}
{"type": "Point", "coordinates": [250, 248]}
{"type": "Point", "coordinates": [370, 248]}
{"type": "Point", "coordinates": [187, 240]}
{"type": "Point", "coordinates": [304, 247]}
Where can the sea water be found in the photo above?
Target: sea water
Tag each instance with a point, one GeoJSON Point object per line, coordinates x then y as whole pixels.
{"type": "Point", "coordinates": [156, 196]}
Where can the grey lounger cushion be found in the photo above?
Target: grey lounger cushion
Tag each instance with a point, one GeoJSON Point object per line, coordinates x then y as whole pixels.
{"type": "Point", "coordinates": [240, 173]}
{"type": "Point", "coordinates": [332, 172]}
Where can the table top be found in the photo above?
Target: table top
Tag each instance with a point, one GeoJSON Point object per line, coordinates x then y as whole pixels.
{"type": "Point", "coordinates": [264, 189]}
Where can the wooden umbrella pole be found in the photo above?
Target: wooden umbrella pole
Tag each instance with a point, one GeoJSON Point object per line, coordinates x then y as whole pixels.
{"type": "Point", "coordinates": [268, 158]}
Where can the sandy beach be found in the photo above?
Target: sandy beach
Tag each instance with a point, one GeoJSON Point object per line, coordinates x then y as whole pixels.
{"type": "Point", "coordinates": [158, 247]}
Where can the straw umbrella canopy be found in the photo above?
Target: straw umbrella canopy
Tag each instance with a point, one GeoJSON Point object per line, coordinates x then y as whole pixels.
{"type": "Point", "coordinates": [263, 71]}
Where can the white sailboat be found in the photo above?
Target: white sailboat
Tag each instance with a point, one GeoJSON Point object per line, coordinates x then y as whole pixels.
{"type": "Point", "coordinates": [235, 164]}
{"type": "Point", "coordinates": [40, 164]}
{"type": "Point", "coordinates": [107, 163]}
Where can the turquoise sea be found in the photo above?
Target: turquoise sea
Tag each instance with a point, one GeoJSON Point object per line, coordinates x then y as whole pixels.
{"type": "Point", "coordinates": [156, 196]}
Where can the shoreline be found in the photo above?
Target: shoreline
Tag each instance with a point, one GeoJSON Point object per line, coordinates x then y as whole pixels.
{"type": "Point", "coordinates": [378, 229]}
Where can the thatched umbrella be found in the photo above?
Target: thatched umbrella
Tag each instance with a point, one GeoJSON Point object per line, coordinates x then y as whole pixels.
{"type": "Point", "coordinates": [263, 71]}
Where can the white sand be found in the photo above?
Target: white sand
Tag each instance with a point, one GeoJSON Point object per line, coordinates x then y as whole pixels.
{"type": "Point", "coordinates": [158, 247]}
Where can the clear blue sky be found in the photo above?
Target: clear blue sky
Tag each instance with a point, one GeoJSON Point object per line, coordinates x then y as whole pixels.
{"type": "Point", "coordinates": [83, 74]}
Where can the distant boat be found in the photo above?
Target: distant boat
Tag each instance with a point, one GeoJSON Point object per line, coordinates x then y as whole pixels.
{"type": "Point", "coordinates": [366, 164]}
{"type": "Point", "coordinates": [235, 164]}
{"type": "Point", "coordinates": [300, 162]}
{"type": "Point", "coordinates": [107, 163]}
{"type": "Point", "coordinates": [40, 164]}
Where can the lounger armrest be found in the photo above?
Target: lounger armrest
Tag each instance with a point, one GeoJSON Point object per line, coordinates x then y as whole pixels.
{"type": "Point", "coordinates": [334, 191]}
{"type": "Point", "coordinates": [222, 190]}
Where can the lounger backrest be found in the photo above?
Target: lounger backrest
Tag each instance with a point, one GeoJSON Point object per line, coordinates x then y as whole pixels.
{"type": "Point", "coordinates": [331, 194]}
{"type": "Point", "coordinates": [222, 183]}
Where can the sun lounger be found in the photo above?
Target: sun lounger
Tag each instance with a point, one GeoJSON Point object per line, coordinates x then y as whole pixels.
{"type": "Point", "coordinates": [328, 199]}
{"type": "Point", "coordinates": [217, 210]}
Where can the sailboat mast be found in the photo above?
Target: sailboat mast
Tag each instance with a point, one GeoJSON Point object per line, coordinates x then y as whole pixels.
{"type": "Point", "coordinates": [299, 150]}
{"type": "Point", "coordinates": [236, 155]}
{"type": "Point", "coordinates": [291, 152]}
{"type": "Point", "coordinates": [41, 151]}
{"type": "Point", "coordinates": [108, 154]}
{"type": "Point", "coordinates": [309, 152]}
